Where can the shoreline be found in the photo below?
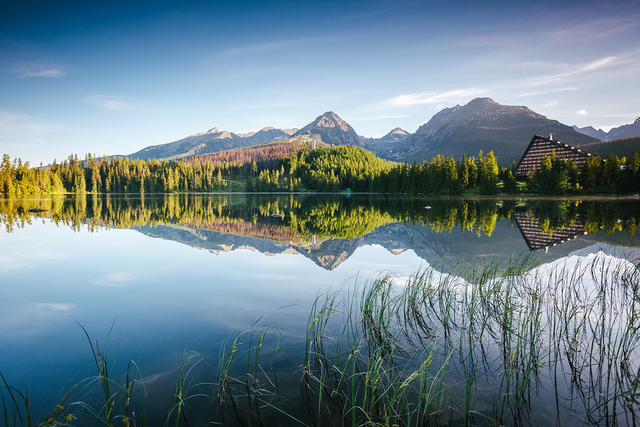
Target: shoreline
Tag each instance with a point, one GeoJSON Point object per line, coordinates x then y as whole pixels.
{"type": "Point", "coordinates": [498, 196]}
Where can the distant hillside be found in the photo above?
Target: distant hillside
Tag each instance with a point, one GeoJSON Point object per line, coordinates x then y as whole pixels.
{"type": "Point", "coordinates": [624, 131]}
{"type": "Point", "coordinates": [482, 124]}
{"type": "Point", "coordinates": [212, 141]}
{"type": "Point", "coordinates": [621, 147]}
{"type": "Point", "coordinates": [598, 134]}
{"type": "Point", "coordinates": [332, 129]}
{"type": "Point", "coordinates": [393, 137]}
{"type": "Point", "coordinates": [264, 155]}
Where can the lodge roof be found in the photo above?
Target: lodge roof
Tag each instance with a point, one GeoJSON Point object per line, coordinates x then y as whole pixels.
{"type": "Point", "coordinates": [549, 139]}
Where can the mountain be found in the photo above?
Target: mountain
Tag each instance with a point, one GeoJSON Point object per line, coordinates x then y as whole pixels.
{"type": "Point", "coordinates": [395, 135]}
{"type": "Point", "coordinates": [265, 155]}
{"type": "Point", "coordinates": [211, 141]}
{"type": "Point", "coordinates": [482, 124]}
{"type": "Point", "coordinates": [599, 134]}
{"type": "Point", "coordinates": [437, 248]}
{"type": "Point", "coordinates": [625, 131]}
{"type": "Point", "coordinates": [378, 145]}
{"type": "Point", "coordinates": [332, 129]}
{"type": "Point", "coordinates": [329, 126]}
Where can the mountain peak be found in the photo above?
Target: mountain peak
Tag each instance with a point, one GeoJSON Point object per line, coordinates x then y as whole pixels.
{"type": "Point", "coordinates": [332, 129]}
{"type": "Point", "coordinates": [623, 131]}
{"type": "Point", "coordinates": [394, 135]}
{"type": "Point", "coordinates": [213, 130]}
{"type": "Point", "coordinates": [482, 101]}
{"type": "Point", "coordinates": [332, 120]}
{"type": "Point", "coordinates": [482, 124]}
{"type": "Point", "coordinates": [398, 131]}
{"type": "Point", "coordinates": [329, 114]}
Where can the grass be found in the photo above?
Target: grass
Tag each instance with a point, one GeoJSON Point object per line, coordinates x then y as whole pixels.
{"type": "Point", "coordinates": [480, 345]}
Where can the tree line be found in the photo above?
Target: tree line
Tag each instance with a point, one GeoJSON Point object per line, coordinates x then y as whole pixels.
{"type": "Point", "coordinates": [116, 175]}
{"type": "Point", "coordinates": [297, 219]}
{"type": "Point", "coordinates": [329, 169]}
{"type": "Point", "coordinates": [598, 175]}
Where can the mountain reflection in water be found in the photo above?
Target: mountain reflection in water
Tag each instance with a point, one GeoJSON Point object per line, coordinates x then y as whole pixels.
{"type": "Point", "coordinates": [328, 229]}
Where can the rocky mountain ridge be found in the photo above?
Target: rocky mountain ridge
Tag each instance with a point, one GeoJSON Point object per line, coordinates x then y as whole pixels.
{"type": "Point", "coordinates": [625, 131]}
{"type": "Point", "coordinates": [481, 124]}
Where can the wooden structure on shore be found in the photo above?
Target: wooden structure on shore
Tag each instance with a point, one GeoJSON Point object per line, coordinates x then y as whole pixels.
{"type": "Point", "coordinates": [543, 146]}
{"type": "Point", "coordinates": [538, 239]}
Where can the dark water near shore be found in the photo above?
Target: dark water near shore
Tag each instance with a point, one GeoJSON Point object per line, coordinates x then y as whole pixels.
{"type": "Point", "coordinates": [187, 273]}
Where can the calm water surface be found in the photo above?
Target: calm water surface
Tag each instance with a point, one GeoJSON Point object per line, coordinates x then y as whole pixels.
{"type": "Point", "coordinates": [169, 275]}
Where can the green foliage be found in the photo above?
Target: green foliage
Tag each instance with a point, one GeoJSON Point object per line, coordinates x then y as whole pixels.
{"type": "Point", "coordinates": [510, 349]}
{"type": "Point", "coordinates": [116, 175]}
{"type": "Point", "coordinates": [339, 168]}
{"type": "Point", "coordinates": [329, 169]}
{"type": "Point", "coordinates": [554, 176]}
{"type": "Point", "coordinates": [621, 147]}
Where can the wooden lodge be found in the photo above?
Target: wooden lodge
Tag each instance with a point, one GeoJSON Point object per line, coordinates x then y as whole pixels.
{"type": "Point", "coordinates": [538, 239]}
{"type": "Point", "coordinates": [543, 146]}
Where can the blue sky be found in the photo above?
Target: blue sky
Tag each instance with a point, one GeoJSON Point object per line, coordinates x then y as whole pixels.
{"type": "Point", "coordinates": [78, 77]}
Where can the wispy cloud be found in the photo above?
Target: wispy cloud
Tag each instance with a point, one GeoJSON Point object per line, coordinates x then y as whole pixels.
{"type": "Point", "coordinates": [30, 69]}
{"type": "Point", "coordinates": [552, 103]}
{"type": "Point", "coordinates": [562, 32]}
{"type": "Point", "coordinates": [113, 280]}
{"type": "Point", "coordinates": [539, 92]}
{"type": "Point", "coordinates": [108, 102]}
{"type": "Point", "coordinates": [595, 29]}
{"type": "Point", "coordinates": [269, 46]}
{"type": "Point", "coordinates": [582, 112]}
{"type": "Point", "coordinates": [44, 72]}
{"type": "Point", "coordinates": [432, 98]}
{"type": "Point", "coordinates": [33, 318]}
{"type": "Point", "coordinates": [573, 71]}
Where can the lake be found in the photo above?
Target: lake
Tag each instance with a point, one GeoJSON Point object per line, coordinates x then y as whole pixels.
{"type": "Point", "coordinates": [172, 280]}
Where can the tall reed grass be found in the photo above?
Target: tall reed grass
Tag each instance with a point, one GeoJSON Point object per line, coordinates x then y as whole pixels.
{"type": "Point", "coordinates": [480, 345]}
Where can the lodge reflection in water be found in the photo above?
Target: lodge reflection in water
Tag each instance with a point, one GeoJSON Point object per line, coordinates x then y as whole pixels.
{"type": "Point", "coordinates": [536, 238]}
{"type": "Point", "coordinates": [329, 228]}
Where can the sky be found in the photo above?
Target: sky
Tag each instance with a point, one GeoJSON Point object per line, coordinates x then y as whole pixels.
{"type": "Point", "coordinates": [114, 77]}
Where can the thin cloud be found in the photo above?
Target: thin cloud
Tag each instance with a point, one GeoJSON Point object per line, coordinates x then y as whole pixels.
{"type": "Point", "coordinates": [546, 92]}
{"type": "Point", "coordinates": [274, 45]}
{"type": "Point", "coordinates": [112, 280]}
{"type": "Point", "coordinates": [108, 102]}
{"type": "Point", "coordinates": [553, 103]}
{"type": "Point", "coordinates": [432, 98]}
{"type": "Point", "coordinates": [557, 33]}
{"type": "Point", "coordinates": [582, 112]}
{"type": "Point", "coordinates": [596, 29]}
{"type": "Point", "coordinates": [34, 318]}
{"type": "Point", "coordinates": [574, 71]}
{"type": "Point", "coordinates": [44, 72]}
{"type": "Point", "coordinates": [26, 70]}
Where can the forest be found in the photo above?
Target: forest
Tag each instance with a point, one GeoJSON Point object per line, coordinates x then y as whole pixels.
{"type": "Point", "coordinates": [295, 219]}
{"type": "Point", "coordinates": [327, 169]}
